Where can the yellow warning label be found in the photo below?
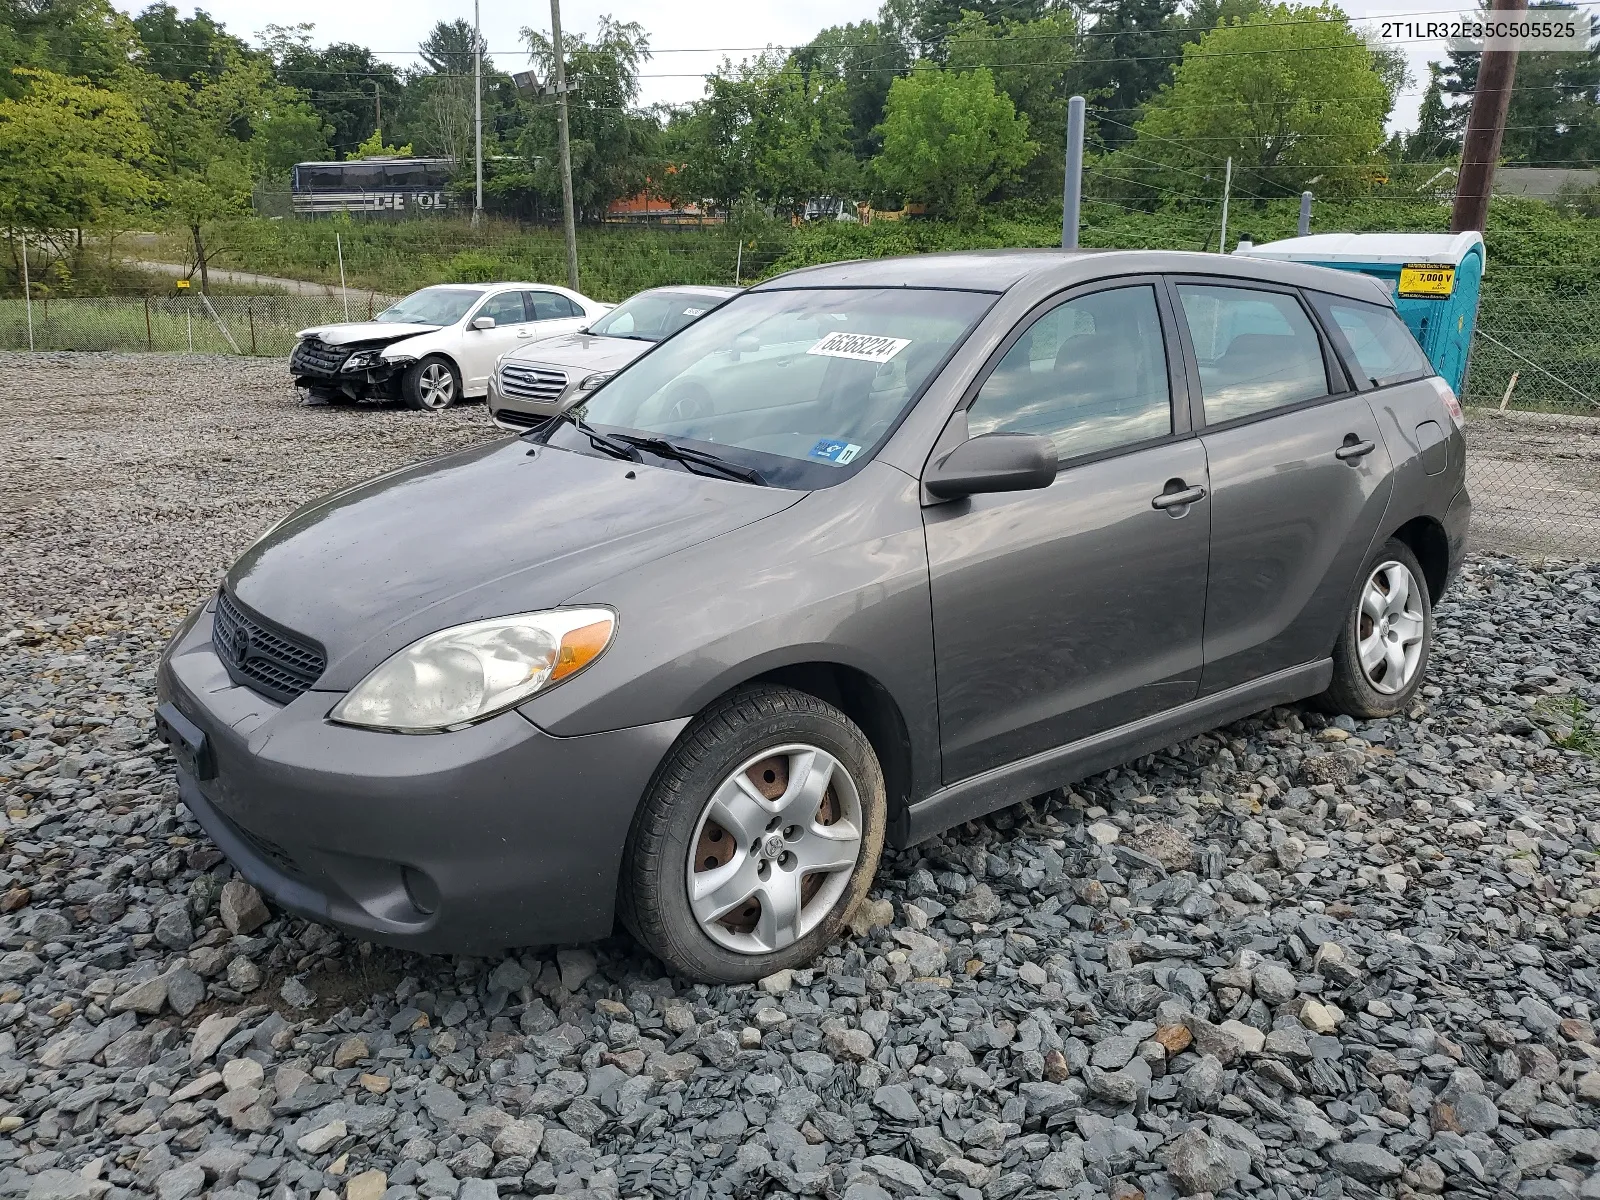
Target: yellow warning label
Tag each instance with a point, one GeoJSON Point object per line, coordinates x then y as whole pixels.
{"type": "Point", "coordinates": [1427, 281]}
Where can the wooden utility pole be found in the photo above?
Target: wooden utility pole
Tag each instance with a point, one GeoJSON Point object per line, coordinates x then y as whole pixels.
{"type": "Point", "coordinates": [377, 101]}
{"type": "Point", "coordinates": [565, 145]}
{"type": "Point", "coordinates": [1486, 125]}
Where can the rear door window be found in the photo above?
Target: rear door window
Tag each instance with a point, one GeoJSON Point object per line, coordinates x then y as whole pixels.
{"type": "Point", "coordinates": [1257, 350]}
{"type": "Point", "coordinates": [1373, 340]}
{"type": "Point", "coordinates": [551, 306]}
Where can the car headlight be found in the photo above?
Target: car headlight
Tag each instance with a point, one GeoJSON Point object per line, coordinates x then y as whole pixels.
{"type": "Point", "coordinates": [589, 382]}
{"type": "Point", "coordinates": [462, 675]}
{"type": "Point", "coordinates": [362, 359]}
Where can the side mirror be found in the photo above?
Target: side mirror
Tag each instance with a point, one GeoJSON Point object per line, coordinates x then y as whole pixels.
{"type": "Point", "coordinates": [482, 322]}
{"type": "Point", "coordinates": [993, 462]}
{"type": "Point", "coordinates": [745, 343]}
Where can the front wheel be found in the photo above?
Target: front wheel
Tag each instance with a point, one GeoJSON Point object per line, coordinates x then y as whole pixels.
{"type": "Point", "coordinates": [1382, 652]}
{"type": "Point", "coordinates": [760, 833]}
{"type": "Point", "coordinates": [432, 384]}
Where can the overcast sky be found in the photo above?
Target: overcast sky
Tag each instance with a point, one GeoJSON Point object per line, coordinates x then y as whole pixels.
{"type": "Point", "coordinates": [689, 40]}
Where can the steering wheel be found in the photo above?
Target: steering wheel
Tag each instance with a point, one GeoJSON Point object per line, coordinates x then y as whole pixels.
{"type": "Point", "coordinates": [690, 402]}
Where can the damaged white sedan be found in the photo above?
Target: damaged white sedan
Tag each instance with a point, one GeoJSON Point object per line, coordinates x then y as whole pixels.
{"type": "Point", "coordinates": [436, 346]}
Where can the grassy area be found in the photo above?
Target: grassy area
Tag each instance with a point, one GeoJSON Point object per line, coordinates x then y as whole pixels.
{"type": "Point", "coordinates": [1541, 299]}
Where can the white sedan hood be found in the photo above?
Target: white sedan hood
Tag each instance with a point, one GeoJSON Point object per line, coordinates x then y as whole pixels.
{"type": "Point", "coordinates": [365, 331]}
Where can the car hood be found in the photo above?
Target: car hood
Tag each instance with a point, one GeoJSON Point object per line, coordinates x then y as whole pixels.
{"type": "Point", "coordinates": [580, 351]}
{"type": "Point", "coordinates": [502, 528]}
{"type": "Point", "coordinates": [365, 331]}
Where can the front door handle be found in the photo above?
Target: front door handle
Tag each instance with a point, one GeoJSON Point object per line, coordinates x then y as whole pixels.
{"type": "Point", "coordinates": [1354, 451]}
{"type": "Point", "coordinates": [1179, 499]}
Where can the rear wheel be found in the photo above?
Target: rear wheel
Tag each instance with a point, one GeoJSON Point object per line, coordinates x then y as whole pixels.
{"type": "Point", "coordinates": [1382, 653]}
{"type": "Point", "coordinates": [759, 834]}
{"type": "Point", "coordinates": [432, 384]}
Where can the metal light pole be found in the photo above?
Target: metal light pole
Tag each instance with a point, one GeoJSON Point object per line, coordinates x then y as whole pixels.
{"type": "Point", "coordinates": [1072, 201]}
{"type": "Point", "coordinates": [565, 145]}
{"type": "Point", "coordinates": [27, 291]}
{"type": "Point", "coordinates": [1305, 213]}
{"type": "Point", "coordinates": [477, 114]}
{"type": "Point", "coordinates": [1227, 186]}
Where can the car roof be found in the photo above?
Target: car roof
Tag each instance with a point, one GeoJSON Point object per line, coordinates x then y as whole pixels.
{"type": "Point", "coordinates": [695, 289]}
{"type": "Point", "coordinates": [505, 283]}
{"type": "Point", "coordinates": [1002, 270]}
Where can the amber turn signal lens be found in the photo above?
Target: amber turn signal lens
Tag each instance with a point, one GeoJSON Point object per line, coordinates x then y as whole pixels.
{"type": "Point", "coordinates": [581, 647]}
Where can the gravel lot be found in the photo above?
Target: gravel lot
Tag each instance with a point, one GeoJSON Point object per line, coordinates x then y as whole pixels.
{"type": "Point", "coordinates": [1293, 958]}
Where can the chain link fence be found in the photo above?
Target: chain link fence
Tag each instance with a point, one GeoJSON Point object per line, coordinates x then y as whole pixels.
{"type": "Point", "coordinates": [253, 325]}
{"type": "Point", "coordinates": [1533, 412]}
{"type": "Point", "coordinates": [1532, 394]}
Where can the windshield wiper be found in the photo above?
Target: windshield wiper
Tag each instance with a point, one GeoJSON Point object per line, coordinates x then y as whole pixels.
{"type": "Point", "coordinates": [600, 441]}
{"type": "Point", "coordinates": [692, 458]}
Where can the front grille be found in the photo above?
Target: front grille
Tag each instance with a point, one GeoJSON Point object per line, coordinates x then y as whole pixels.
{"type": "Point", "coordinates": [511, 416]}
{"type": "Point", "coordinates": [315, 357]}
{"type": "Point", "coordinates": [532, 383]}
{"type": "Point", "coordinates": [265, 658]}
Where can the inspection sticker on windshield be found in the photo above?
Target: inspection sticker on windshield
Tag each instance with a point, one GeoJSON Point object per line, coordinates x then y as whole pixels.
{"type": "Point", "coordinates": [863, 347]}
{"type": "Point", "coordinates": [838, 453]}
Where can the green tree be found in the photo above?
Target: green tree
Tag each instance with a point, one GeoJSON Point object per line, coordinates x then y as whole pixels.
{"type": "Point", "coordinates": [950, 140]}
{"type": "Point", "coordinates": [179, 48]}
{"type": "Point", "coordinates": [613, 144]}
{"type": "Point", "coordinates": [373, 147]}
{"type": "Point", "coordinates": [1030, 61]}
{"type": "Point", "coordinates": [768, 129]}
{"type": "Point", "coordinates": [864, 57]}
{"type": "Point", "coordinates": [1128, 54]}
{"type": "Point", "coordinates": [215, 137]}
{"type": "Point", "coordinates": [1438, 134]}
{"type": "Point", "coordinates": [346, 84]}
{"type": "Point", "coordinates": [75, 155]}
{"type": "Point", "coordinates": [1554, 118]}
{"type": "Point", "coordinates": [86, 39]}
{"type": "Point", "coordinates": [1290, 93]}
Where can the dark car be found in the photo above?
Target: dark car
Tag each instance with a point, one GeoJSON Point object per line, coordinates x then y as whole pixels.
{"type": "Point", "coordinates": [870, 550]}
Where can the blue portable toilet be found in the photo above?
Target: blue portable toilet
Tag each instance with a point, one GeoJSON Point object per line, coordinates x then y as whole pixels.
{"type": "Point", "coordinates": [1435, 279]}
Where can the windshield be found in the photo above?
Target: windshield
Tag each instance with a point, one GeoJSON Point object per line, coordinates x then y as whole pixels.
{"type": "Point", "coordinates": [651, 316]}
{"type": "Point", "coordinates": [431, 306]}
{"type": "Point", "coordinates": [797, 384]}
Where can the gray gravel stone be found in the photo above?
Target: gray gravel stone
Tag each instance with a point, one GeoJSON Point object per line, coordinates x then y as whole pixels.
{"type": "Point", "coordinates": [1331, 949]}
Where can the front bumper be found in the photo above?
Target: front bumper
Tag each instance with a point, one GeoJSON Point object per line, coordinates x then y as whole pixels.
{"type": "Point", "coordinates": [468, 842]}
{"type": "Point", "coordinates": [519, 415]}
{"type": "Point", "coordinates": [382, 379]}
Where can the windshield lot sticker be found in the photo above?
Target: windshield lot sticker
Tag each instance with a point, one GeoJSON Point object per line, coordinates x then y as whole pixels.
{"type": "Point", "coordinates": [863, 347]}
{"type": "Point", "coordinates": [694, 312]}
{"type": "Point", "coordinates": [838, 453]}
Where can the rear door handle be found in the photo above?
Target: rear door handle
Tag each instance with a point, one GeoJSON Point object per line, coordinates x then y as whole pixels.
{"type": "Point", "coordinates": [1353, 451]}
{"type": "Point", "coordinates": [1176, 499]}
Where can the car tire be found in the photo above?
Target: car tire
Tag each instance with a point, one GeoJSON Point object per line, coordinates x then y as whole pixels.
{"type": "Point", "coordinates": [1381, 656]}
{"type": "Point", "coordinates": [432, 385]}
{"type": "Point", "coordinates": [734, 764]}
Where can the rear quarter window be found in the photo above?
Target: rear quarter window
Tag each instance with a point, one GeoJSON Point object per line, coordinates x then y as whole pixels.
{"type": "Point", "coordinates": [1373, 340]}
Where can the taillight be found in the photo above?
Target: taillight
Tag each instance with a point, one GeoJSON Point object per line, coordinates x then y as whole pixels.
{"type": "Point", "coordinates": [1451, 405]}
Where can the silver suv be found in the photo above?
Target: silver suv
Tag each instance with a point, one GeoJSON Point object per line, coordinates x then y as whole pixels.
{"type": "Point", "coordinates": [537, 381]}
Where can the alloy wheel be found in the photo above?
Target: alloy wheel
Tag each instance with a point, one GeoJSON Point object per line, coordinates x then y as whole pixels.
{"type": "Point", "coordinates": [436, 386]}
{"type": "Point", "coordinates": [1390, 627]}
{"type": "Point", "coordinates": [774, 849]}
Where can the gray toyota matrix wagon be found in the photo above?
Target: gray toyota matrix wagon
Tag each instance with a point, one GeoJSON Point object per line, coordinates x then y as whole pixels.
{"type": "Point", "coordinates": [872, 549]}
